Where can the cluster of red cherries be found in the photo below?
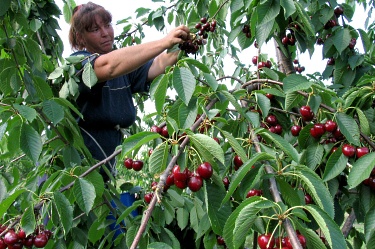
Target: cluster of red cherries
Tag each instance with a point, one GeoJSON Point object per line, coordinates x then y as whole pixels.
{"type": "Point", "coordinates": [298, 67]}
{"type": "Point", "coordinates": [136, 165]}
{"type": "Point", "coordinates": [261, 64]}
{"type": "Point", "coordinates": [272, 124]}
{"type": "Point", "coordinates": [185, 179]}
{"type": "Point", "coordinates": [192, 45]}
{"type": "Point", "coordinates": [289, 39]}
{"type": "Point", "coordinates": [18, 240]}
{"type": "Point", "coordinates": [246, 30]}
{"type": "Point", "coordinates": [163, 131]}
{"type": "Point", "coordinates": [267, 241]}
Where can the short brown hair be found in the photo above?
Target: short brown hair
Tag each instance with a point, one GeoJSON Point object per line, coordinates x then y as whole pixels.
{"type": "Point", "coordinates": [83, 19]}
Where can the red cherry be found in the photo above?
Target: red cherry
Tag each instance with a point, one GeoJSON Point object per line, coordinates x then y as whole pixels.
{"type": "Point", "coordinates": [319, 129]}
{"type": "Point", "coordinates": [155, 129]}
{"type": "Point", "coordinates": [128, 163]}
{"type": "Point", "coordinates": [148, 197]}
{"type": "Point", "coordinates": [271, 120]}
{"type": "Point", "coordinates": [254, 60]}
{"type": "Point", "coordinates": [17, 245]}
{"type": "Point", "coordinates": [2, 244]}
{"type": "Point", "coordinates": [254, 192]}
{"type": "Point", "coordinates": [338, 11]}
{"type": "Point", "coordinates": [269, 96]}
{"type": "Point", "coordinates": [265, 241]}
{"type": "Point", "coordinates": [170, 180]}
{"type": "Point", "coordinates": [330, 125]}
{"type": "Point", "coordinates": [295, 61]}
{"type": "Point", "coordinates": [361, 151]}
{"type": "Point", "coordinates": [337, 134]}
{"type": "Point", "coordinates": [195, 183]}
{"type": "Point", "coordinates": [331, 61]}
{"type": "Point", "coordinates": [226, 182]}
{"type": "Point", "coordinates": [285, 40]}
{"type": "Point", "coordinates": [278, 129]}
{"type": "Point", "coordinates": [164, 131]}
{"type": "Point", "coordinates": [280, 242]}
{"type": "Point", "coordinates": [308, 199]}
{"type": "Point", "coordinates": [295, 130]}
{"type": "Point", "coordinates": [302, 240]}
{"type": "Point", "coordinates": [220, 240]}
{"type": "Point", "coordinates": [306, 113]}
{"type": "Point", "coordinates": [261, 64]}
{"type": "Point", "coordinates": [180, 184]}
{"type": "Point", "coordinates": [198, 26]}
{"type": "Point", "coordinates": [268, 64]}
{"type": "Point", "coordinates": [10, 237]}
{"type": "Point", "coordinates": [137, 165]}
{"type": "Point", "coordinates": [178, 175]}
{"type": "Point", "coordinates": [203, 20]}
{"type": "Point", "coordinates": [205, 170]}
{"type": "Point", "coordinates": [21, 234]}
{"type": "Point", "coordinates": [237, 162]}
{"type": "Point", "coordinates": [348, 150]}
{"type": "Point", "coordinates": [40, 240]}
{"type": "Point", "coordinates": [28, 241]}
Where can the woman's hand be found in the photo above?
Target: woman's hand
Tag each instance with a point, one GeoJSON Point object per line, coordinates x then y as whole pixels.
{"type": "Point", "coordinates": [176, 36]}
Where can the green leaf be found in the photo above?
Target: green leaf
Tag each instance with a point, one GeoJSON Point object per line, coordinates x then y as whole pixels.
{"type": "Point", "coordinates": [184, 83]}
{"type": "Point", "coordinates": [305, 19]}
{"type": "Point", "coordinates": [235, 221]}
{"type": "Point", "coordinates": [289, 8]}
{"type": "Point", "coordinates": [28, 220]}
{"type": "Point", "coordinates": [7, 202]}
{"type": "Point", "coordinates": [267, 11]}
{"type": "Point", "coordinates": [158, 245]}
{"type": "Point", "coordinates": [361, 169]}
{"type": "Point", "coordinates": [363, 122]}
{"type": "Point", "coordinates": [196, 63]}
{"type": "Point", "coordinates": [316, 188]}
{"type": "Point", "coordinates": [64, 211]}
{"type": "Point", "coordinates": [330, 229]}
{"type": "Point", "coordinates": [84, 192]}
{"type": "Point", "coordinates": [242, 171]}
{"type": "Point", "coordinates": [158, 91]}
{"type": "Point", "coordinates": [53, 111]}
{"type": "Point", "coordinates": [30, 142]}
{"type": "Point", "coordinates": [238, 149]}
{"type": "Point", "coordinates": [295, 82]}
{"type": "Point", "coordinates": [314, 155]}
{"type": "Point", "coordinates": [292, 99]}
{"type": "Point", "coordinates": [211, 81]}
{"type": "Point", "coordinates": [336, 163]}
{"type": "Point", "coordinates": [182, 217]}
{"type": "Point", "coordinates": [159, 158]}
{"type": "Point", "coordinates": [5, 4]}
{"type": "Point", "coordinates": [217, 212]}
{"type": "Point", "coordinates": [341, 39]}
{"type": "Point", "coordinates": [370, 224]}
{"type": "Point", "coordinates": [348, 128]}
{"type": "Point", "coordinates": [42, 88]}
{"type": "Point", "coordinates": [137, 140]}
{"type": "Point", "coordinates": [88, 76]}
{"type": "Point", "coordinates": [263, 32]}
{"type": "Point", "coordinates": [208, 148]}
{"type": "Point", "coordinates": [129, 210]}
{"type": "Point", "coordinates": [283, 144]}
{"type": "Point", "coordinates": [26, 111]}
{"type": "Point", "coordinates": [264, 103]}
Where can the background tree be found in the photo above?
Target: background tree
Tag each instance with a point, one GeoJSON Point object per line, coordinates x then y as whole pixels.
{"type": "Point", "coordinates": [266, 156]}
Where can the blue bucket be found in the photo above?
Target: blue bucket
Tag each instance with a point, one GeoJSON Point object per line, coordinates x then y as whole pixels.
{"type": "Point", "coordinates": [127, 200]}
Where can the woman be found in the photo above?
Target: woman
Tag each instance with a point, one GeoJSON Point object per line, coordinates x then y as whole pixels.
{"type": "Point", "coordinates": [120, 73]}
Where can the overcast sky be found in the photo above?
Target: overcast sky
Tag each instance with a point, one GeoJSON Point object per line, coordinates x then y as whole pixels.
{"type": "Point", "coordinates": [121, 9]}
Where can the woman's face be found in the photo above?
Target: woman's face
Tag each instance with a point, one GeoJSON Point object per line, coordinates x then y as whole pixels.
{"type": "Point", "coordinates": [99, 38]}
